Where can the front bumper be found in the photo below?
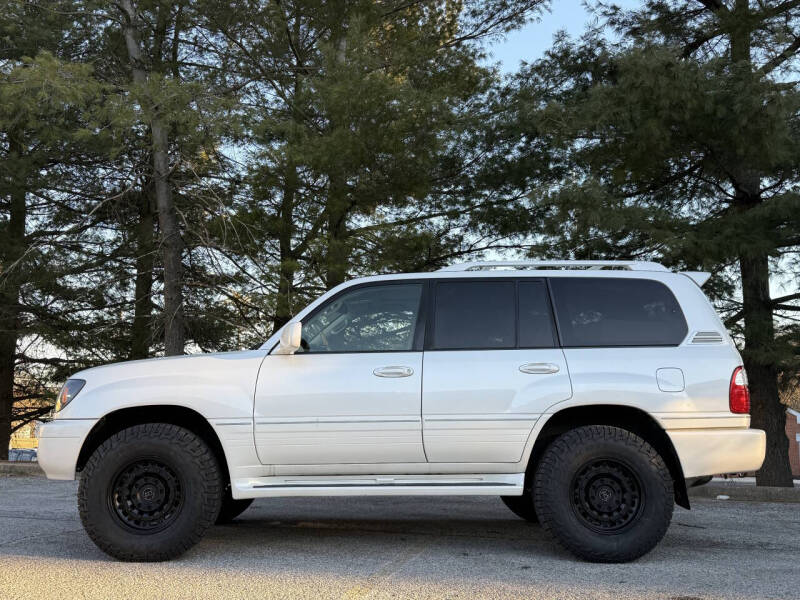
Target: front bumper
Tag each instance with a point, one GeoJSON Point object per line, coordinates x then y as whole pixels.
{"type": "Point", "coordinates": [717, 451]}
{"type": "Point", "coordinates": [60, 443]}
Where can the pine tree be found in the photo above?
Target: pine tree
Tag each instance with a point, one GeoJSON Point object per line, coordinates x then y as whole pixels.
{"type": "Point", "coordinates": [356, 112]}
{"type": "Point", "coordinates": [679, 141]}
{"type": "Point", "coordinates": [43, 228]}
{"type": "Point", "coordinates": [171, 126]}
{"type": "Point", "coordinates": [79, 270]}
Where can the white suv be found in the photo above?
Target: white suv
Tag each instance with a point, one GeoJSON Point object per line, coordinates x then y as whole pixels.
{"type": "Point", "coordinates": [588, 395]}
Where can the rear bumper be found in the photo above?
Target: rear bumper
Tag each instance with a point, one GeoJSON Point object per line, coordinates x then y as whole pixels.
{"type": "Point", "coordinates": [716, 451]}
{"type": "Point", "coordinates": [60, 443]}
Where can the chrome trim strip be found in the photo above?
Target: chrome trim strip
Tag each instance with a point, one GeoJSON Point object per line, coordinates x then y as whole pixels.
{"type": "Point", "coordinates": [388, 484]}
{"type": "Point", "coordinates": [448, 419]}
{"type": "Point", "coordinates": [328, 422]}
{"type": "Point", "coordinates": [731, 416]}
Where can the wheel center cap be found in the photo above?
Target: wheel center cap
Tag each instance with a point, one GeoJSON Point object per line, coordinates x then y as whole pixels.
{"type": "Point", "coordinates": [604, 493]}
{"type": "Point", "coordinates": [148, 493]}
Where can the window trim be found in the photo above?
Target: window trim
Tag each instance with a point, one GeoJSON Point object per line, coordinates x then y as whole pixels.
{"type": "Point", "coordinates": [431, 324]}
{"type": "Point", "coordinates": [554, 333]}
{"type": "Point", "coordinates": [561, 343]}
{"type": "Point", "coordinates": [419, 330]}
{"type": "Point", "coordinates": [423, 334]}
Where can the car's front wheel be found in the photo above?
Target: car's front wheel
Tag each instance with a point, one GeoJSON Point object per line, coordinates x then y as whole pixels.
{"type": "Point", "coordinates": [603, 493]}
{"type": "Point", "coordinates": [149, 492]}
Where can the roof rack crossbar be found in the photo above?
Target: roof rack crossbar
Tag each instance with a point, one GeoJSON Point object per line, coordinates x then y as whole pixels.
{"type": "Point", "coordinates": [631, 265]}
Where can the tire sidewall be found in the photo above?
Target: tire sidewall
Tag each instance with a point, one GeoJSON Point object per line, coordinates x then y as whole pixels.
{"type": "Point", "coordinates": [97, 508]}
{"type": "Point", "coordinates": [554, 499]}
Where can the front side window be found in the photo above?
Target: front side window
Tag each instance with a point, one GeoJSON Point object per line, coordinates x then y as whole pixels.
{"type": "Point", "coordinates": [594, 311]}
{"type": "Point", "coordinates": [377, 318]}
{"type": "Point", "coordinates": [474, 315]}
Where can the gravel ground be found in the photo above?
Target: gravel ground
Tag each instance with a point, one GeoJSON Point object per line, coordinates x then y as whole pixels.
{"type": "Point", "coordinates": [458, 547]}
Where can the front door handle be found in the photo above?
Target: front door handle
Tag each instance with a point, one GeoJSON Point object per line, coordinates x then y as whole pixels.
{"type": "Point", "coordinates": [539, 368]}
{"type": "Point", "coordinates": [393, 371]}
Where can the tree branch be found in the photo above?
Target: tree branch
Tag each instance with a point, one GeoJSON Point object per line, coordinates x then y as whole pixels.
{"type": "Point", "coordinates": [786, 307]}
{"type": "Point", "coordinates": [776, 303]}
{"type": "Point", "coordinates": [777, 61]}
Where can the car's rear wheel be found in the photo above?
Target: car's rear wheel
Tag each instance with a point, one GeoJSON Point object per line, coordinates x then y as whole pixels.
{"type": "Point", "coordinates": [522, 506]}
{"type": "Point", "coordinates": [231, 508]}
{"type": "Point", "coordinates": [149, 492]}
{"type": "Point", "coordinates": [603, 493]}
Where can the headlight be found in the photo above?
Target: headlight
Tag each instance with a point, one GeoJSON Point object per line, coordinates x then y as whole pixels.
{"type": "Point", "coordinates": [68, 392]}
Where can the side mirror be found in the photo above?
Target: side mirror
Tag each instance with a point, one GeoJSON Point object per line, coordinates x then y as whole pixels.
{"type": "Point", "coordinates": [290, 338]}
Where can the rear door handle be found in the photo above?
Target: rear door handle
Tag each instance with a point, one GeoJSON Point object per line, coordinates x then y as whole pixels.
{"type": "Point", "coordinates": [539, 368]}
{"type": "Point", "coordinates": [393, 371]}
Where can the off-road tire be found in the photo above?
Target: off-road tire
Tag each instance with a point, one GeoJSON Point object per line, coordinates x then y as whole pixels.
{"type": "Point", "coordinates": [231, 508]}
{"type": "Point", "coordinates": [522, 506]}
{"type": "Point", "coordinates": [570, 463]}
{"type": "Point", "coordinates": [184, 457]}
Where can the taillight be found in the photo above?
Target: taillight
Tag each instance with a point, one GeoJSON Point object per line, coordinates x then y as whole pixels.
{"type": "Point", "coordinates": [739, 394]}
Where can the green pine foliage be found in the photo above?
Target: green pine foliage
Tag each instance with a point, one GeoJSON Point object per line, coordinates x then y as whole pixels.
{"type": "Point", "coordinates": [679, 141]}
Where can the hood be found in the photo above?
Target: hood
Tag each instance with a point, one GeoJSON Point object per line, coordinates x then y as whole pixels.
{"type": "Point", "coordinates": [220, 384]}
{"type": "Point", "coordinates": [185, 363]}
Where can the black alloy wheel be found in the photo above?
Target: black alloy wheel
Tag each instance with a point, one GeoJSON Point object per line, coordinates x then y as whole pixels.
{"type": "Point", "coordinates": [607, 496]}
{"type": "Point", "coordinates": [146, 496]}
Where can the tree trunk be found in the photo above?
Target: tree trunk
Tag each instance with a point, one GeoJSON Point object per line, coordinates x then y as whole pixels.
{"type": "Point", "coordinates": [171, 242]}
{"type": "Point", "coordinates": [288, 256]}
{"type": "Point", "coordinates": [337, 255]}
{"type": "Point", "coordinates": [759, 333]}
{"type": "Point", "coordinates": [759, 329]}
{"type": "Point", "coordinates": [283, 310]}
{"type": "Point", "coordinates": [171, 245]}
{"type": "Point", "coordinates": [142, 329]}
{"type": "Point", "coordinates": [10, 279]}
{"type": "Point", "coordinates": [8, 345]}
{"type": "Point", "coordinates": [288, 266]}
{"type": "Point", "coordinates": [336, 263]}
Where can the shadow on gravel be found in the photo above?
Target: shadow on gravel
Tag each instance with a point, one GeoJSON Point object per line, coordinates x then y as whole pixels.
{"type": "Point", "coordinates": [264, 537]}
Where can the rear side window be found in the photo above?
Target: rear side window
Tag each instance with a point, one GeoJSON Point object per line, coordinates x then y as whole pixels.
{"type": "Point", "coordinates": [594, 311]}
{"type": "Point", "coordinates": [474, 314]}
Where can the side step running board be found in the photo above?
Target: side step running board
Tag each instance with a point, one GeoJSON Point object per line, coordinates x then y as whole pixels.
{"type": "Point", "coordinates": [381, 485]}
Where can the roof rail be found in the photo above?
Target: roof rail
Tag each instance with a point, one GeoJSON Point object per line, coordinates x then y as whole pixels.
{"type": "Point", "coordinates": [630, 265]}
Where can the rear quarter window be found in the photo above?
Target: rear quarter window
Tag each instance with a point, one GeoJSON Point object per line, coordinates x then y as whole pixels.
{"type": "Point", "coordinates": [607, 312]}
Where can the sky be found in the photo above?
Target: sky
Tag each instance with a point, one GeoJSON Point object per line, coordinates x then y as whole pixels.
{"type": "Point", "coordinates": [531, 42]}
